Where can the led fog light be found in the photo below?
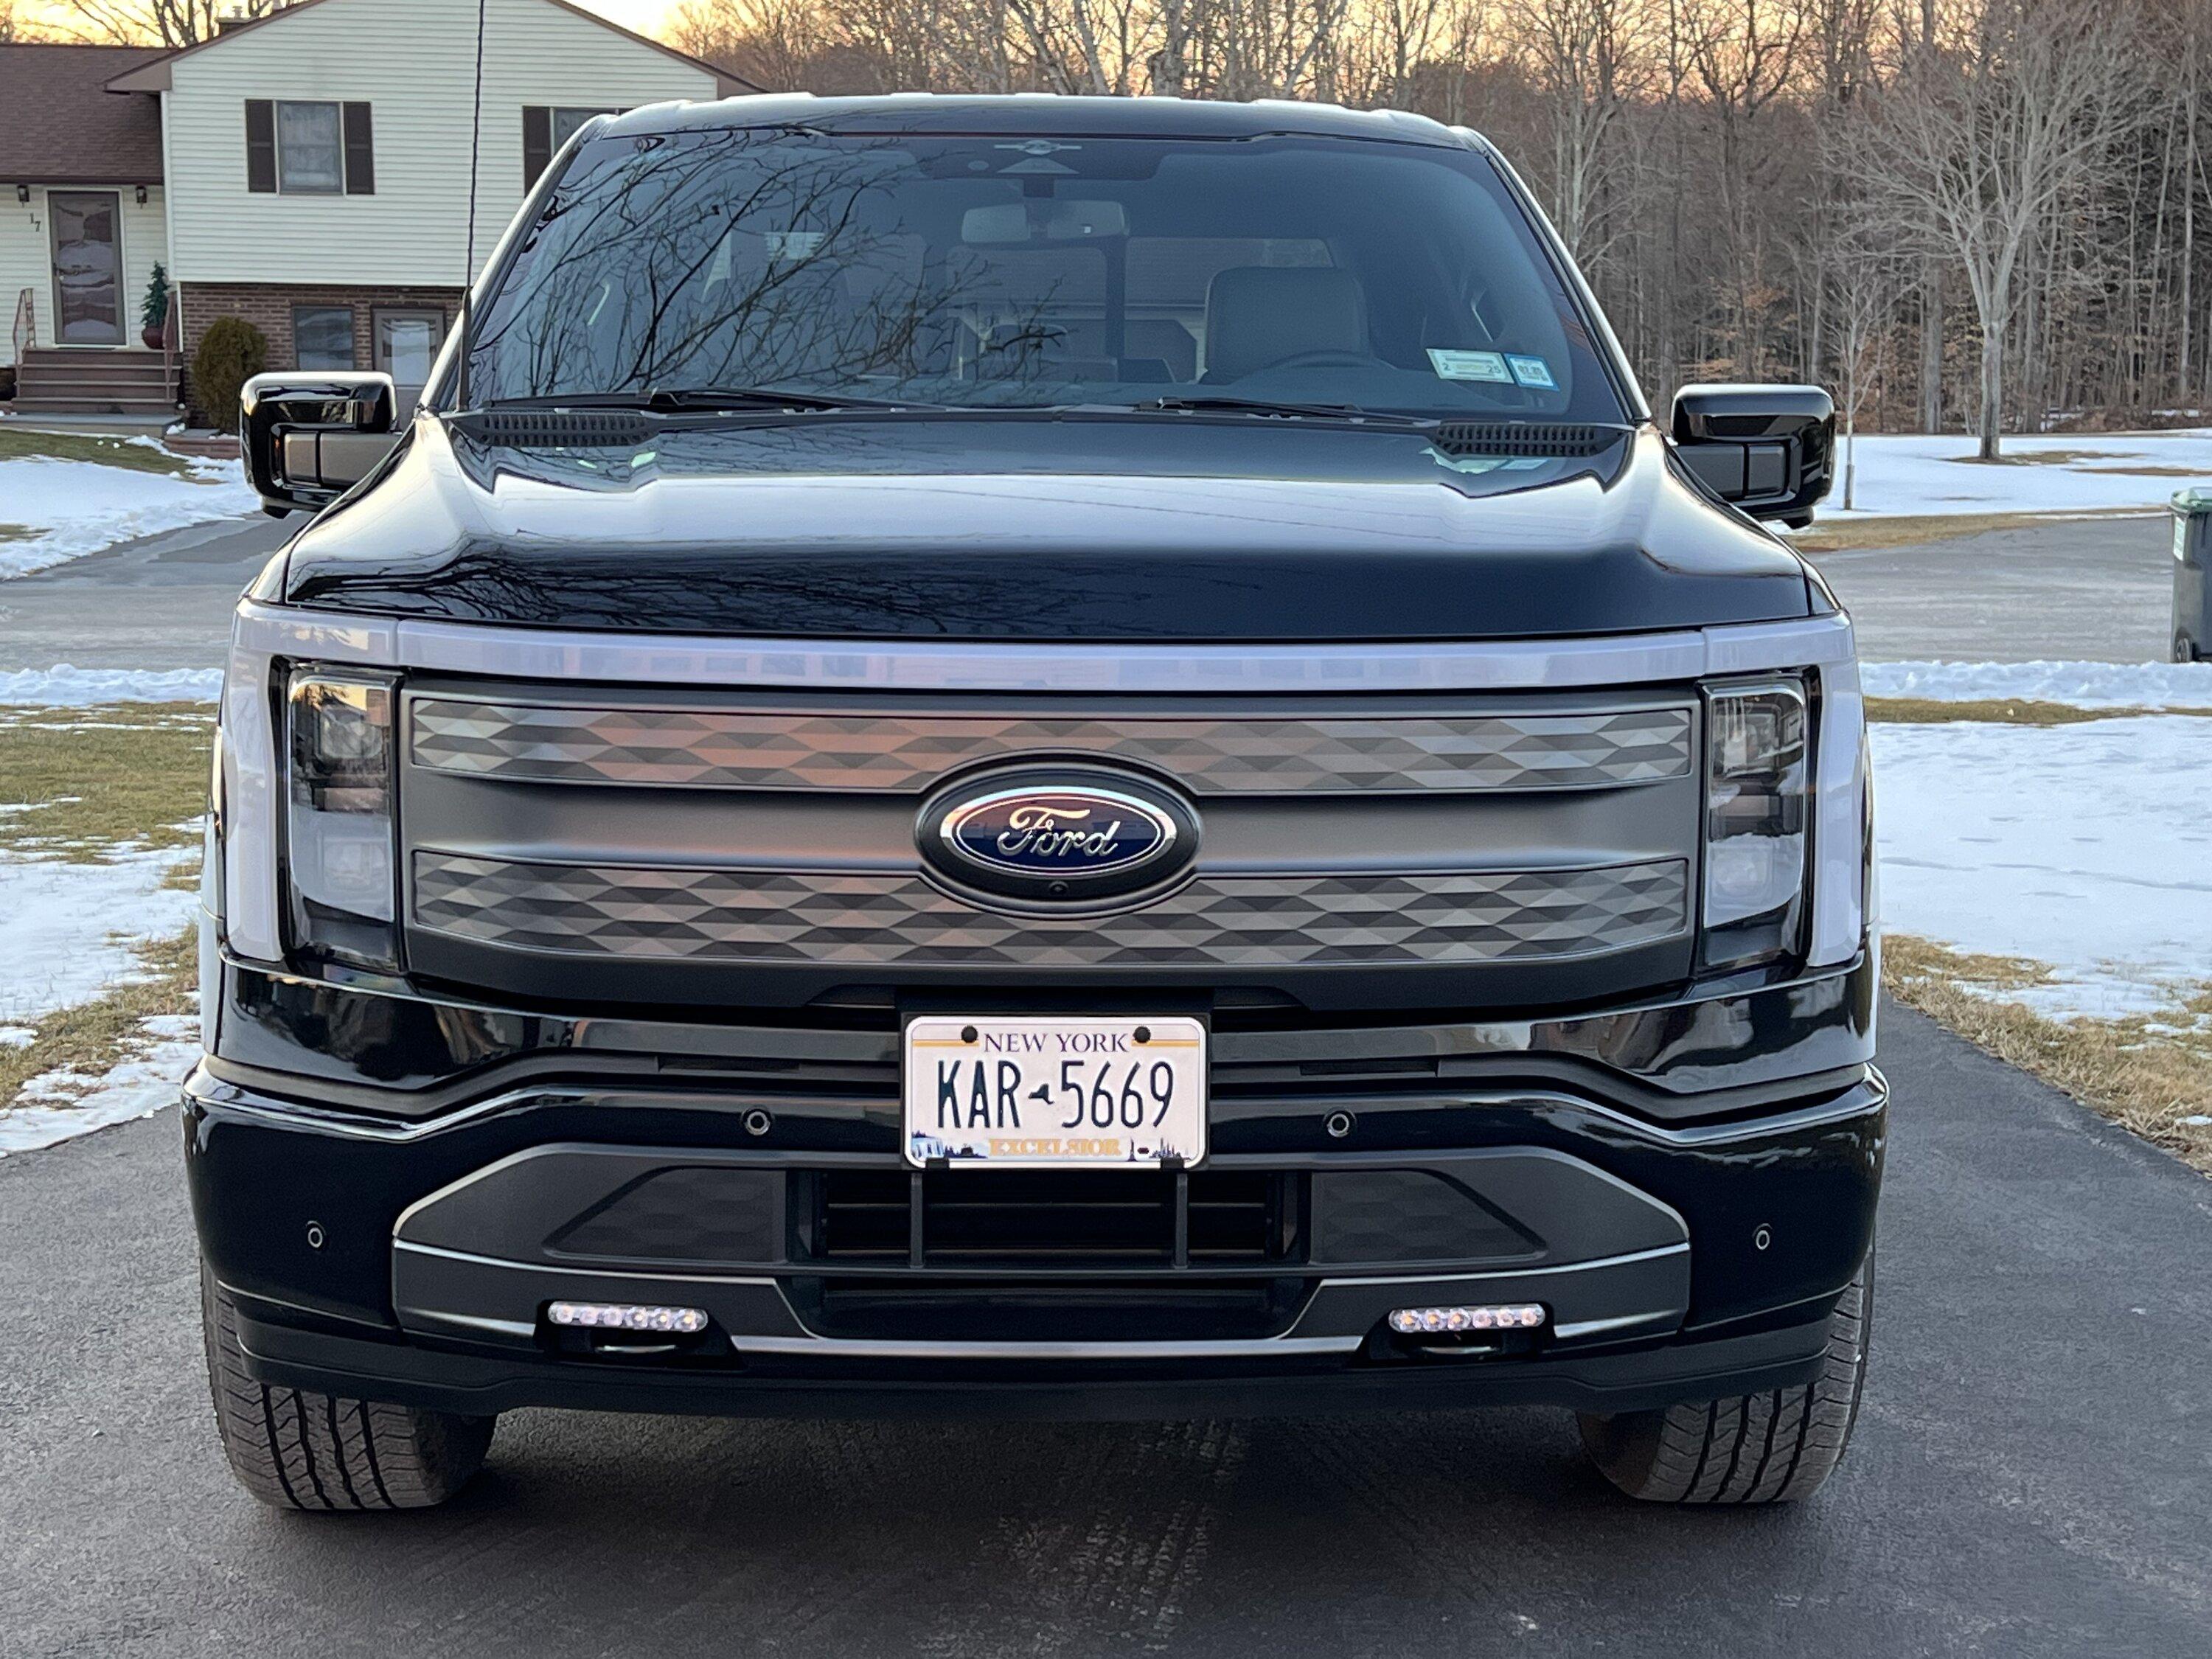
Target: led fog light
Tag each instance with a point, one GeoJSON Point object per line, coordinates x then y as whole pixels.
{"type": "Point", "coordinates": [626, 1316]}
{"type": "Point", "coordinates": [1426, 1322]}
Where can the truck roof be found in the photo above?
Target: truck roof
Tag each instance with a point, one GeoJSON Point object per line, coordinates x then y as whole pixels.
{"type": "Point", "coordinates": [1037, 114]}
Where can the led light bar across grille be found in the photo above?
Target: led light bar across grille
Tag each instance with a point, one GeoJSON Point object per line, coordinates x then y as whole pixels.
{"type": "Point", "coordinates": [1452, 1321]}
{"type": "Point", "coordinates": [627, 1316]}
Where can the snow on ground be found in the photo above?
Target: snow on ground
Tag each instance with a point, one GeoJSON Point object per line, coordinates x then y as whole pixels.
{"type": "Point", "coordinates": [75, 508]}
{"type": "Point", "coordinates": [69, 687]}
{"type": "Point", "coordinates": [1910, 475]}
{"type": "Point", "coordinates": [2088, 847]}
{"type": "Point", "coordinates": [58, 1106]}
{"type": "Point", "coordinates": [67, 930]}
{"type": "Point", "coordinates": [2083, 684]}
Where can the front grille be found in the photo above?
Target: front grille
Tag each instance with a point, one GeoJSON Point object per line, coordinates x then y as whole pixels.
{"type": "Point", "coordinates": [695, 748]}
{"type": "Point", "coordinates": [1042, 1218]}
{"type": "Point", "coordinates": [610, 844]}
{"type": "Point", "coordinates": [899, 919]}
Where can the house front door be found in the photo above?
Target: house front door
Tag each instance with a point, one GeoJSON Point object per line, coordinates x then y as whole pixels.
{"type": "Point", "coordinates": [87, 266]}
{"type": "Point", "coordinates": [406, 344]}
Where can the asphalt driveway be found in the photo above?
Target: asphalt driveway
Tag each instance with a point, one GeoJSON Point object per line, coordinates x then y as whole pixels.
{"type": "Point", "coordinates": [2033, 1473]}
{"type": "Point", "coordinates": [2083, 590]}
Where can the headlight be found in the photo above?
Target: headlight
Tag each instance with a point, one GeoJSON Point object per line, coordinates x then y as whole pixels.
{"type": "Point", "coordinates": [1755, 819]}
{"type": "Point", "coordinates": [339, 822]}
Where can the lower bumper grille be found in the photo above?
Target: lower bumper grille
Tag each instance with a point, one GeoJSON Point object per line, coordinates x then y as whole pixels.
{"type": "Point", "coordinates": [1054, 1218]}
{"type": "Point", "coordinates": [1161, 1309]}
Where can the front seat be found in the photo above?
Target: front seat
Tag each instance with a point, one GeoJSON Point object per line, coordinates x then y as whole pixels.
{"type": "Point", "coordinates": [1257, 315]}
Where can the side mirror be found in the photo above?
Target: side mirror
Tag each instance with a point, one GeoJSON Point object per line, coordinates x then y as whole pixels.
{"type": "Point", "coordinates": [309, 438]}
{"type": "Point", "coordinates": [1770, 449]}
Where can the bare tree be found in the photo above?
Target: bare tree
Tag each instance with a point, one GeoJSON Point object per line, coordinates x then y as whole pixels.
{"type": "Point", "coordinates": [1588, 59]}
{"type": "Point", "coordinates": [771, 43]}
{"type": "Point", "coordinates": [1969, 154]}
{"type": "Point", "coordinates": [1383, 48]}
{"type": "Point", "coordinates": [1260, 48]}
{"type": "Point", "coordinates": [1865, 283]}
{"type": "Point", "coordinates": [1742, 56]}
{"type": "Point", "coordinates": [158, 22]}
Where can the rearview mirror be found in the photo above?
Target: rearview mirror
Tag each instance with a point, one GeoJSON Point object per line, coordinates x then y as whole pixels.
{"type": "Point", "coordinates": [1769, 449]}
{"type": "Point", "coordinates": [309, 438]}
{"type": "Point", "coordinates": [1033, 221]}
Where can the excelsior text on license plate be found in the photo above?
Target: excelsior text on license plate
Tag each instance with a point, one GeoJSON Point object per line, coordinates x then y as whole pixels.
{"type": "Point", "coordinates": [1029, 1090]}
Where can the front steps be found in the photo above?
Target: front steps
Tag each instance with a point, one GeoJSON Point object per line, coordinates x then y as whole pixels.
{"type": "Point", "coordinates": [87, 381]}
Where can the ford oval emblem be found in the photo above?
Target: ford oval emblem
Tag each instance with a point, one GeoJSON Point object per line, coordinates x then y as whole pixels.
{"type": "Point", "coordinates": [1064, 833]}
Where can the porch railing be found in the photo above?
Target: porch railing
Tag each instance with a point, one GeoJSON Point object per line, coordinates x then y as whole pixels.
{"type": "Point", "coordinates": [172, 326]}
{"type": "Point", "coordinates": [24, 332]}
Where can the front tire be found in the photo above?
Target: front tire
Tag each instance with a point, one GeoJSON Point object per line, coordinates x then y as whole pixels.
{"type": "Point", "coordinates": [2184, 649]}
{"type": "Point", "coordinates": [296, 1450]}
{"type": "Point", "coordinates": [1772, 1448]}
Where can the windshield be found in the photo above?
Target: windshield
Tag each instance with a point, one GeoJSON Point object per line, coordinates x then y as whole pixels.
{"type": "Point", "coordinates": [996, 272]}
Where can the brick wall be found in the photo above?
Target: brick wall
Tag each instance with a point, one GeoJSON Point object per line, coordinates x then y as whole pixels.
{"type": "Point", "coordinates": [268, 306]}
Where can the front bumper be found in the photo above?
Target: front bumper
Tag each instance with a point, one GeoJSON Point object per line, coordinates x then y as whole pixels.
{"type": "Point", "coordinates": [284, 1353]}
{"type": "Point", "coordinates": [1686, 1240]}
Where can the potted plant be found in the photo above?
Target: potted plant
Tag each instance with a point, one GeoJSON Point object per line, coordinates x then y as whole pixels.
{"type": "Point", "coordinates": [156, 311]}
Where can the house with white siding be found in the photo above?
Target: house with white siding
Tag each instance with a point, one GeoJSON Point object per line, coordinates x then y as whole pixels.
{"type": "Point", "coordinates": [83, 222]}
{"type": "Point", "coordinates": [314, 175]}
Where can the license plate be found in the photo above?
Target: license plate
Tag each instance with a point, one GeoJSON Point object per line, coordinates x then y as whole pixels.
{"type": "Point", "coordinates": [1029, 1090]}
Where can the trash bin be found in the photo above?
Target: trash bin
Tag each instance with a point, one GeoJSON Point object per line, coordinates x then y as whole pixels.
{"type": "Point", "coordinates": [2192, 565]}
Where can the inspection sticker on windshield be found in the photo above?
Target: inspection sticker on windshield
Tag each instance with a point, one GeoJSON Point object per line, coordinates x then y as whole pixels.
{"type": "Point", "coordinates": [1533, 371]}
{"type": "Point", "coordinates": [1469, 366]}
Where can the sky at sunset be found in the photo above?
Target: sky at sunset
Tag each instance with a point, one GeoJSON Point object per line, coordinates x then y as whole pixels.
{"type": "Point", "coordinates": [646, 16]}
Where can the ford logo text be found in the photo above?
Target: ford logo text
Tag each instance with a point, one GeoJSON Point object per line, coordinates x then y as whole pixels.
{"type": "Point", "coordinates": [1055, 837]}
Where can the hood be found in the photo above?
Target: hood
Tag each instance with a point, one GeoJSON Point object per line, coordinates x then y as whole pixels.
{"type": "Point", "coordinates": [1159, 529]}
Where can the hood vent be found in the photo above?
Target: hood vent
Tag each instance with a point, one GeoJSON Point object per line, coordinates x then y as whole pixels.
{"type": "Point", "coordinates": [557, 428]}
{"type": "Point", "coordinates": [1520, 438]}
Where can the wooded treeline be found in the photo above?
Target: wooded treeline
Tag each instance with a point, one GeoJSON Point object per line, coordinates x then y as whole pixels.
{"type": "Point", "coordinates": [1984, 214]}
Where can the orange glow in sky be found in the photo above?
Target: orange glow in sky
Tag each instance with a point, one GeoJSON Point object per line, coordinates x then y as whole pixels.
{"type": "Point", "coordinates": [645, 16]}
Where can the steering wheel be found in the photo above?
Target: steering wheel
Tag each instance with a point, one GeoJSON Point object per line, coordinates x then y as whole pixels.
{"type": "Point", "coordinates": [1324, 357]}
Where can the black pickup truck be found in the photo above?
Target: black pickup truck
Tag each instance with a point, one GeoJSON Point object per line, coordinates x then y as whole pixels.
{"type": "Point", "coordinates": [1035, 756]}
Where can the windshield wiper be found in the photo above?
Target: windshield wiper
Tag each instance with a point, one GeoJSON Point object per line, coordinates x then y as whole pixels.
{"type": "Point", "coordinates": [707, 400]}
{"type": "Point", "coordinates": [1210, 403]}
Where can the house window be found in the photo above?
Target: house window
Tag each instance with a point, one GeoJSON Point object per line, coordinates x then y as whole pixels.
{"type": "Point", "coordinates": [322, 337]}
{"type": "Point", "coordinates": [404, 344]}
{"type": "Point", "coordinates": [545, 128]}
{"type": "Point", "coordinates": [309, 149]}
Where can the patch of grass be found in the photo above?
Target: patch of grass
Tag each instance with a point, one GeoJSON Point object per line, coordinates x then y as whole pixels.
{"type": "Point", "coordinates": [2010, 711]}
{"type": "Point", "coordinates": [2148, 1072]}
{"type": "Point", "coordinates": [1874, 535]}
{"type": "Point", "coordinates": [16, 444]}
{"type": "Point", "coordinates": [16, 532]}
{"type": "Point", "coordinates": [2146, 471]}
{"type": "Point", "coordinates": [94, 1037]}
{"type": "Point", "coordinates": [2033, 458]}
{"type": "Point", "coordinates": [78, 784]}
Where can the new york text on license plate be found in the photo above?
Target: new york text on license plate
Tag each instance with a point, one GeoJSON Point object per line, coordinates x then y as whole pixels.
{"type": "Point", "coordinates": [1031, 1089]}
